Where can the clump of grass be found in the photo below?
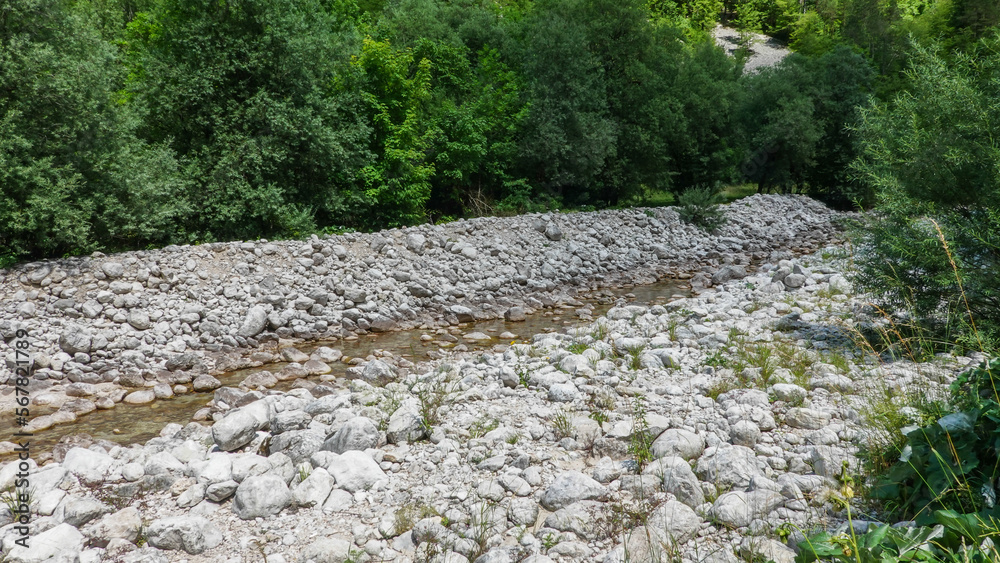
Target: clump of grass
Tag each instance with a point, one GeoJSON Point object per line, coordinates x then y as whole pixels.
{"type": "Point", "coordinates": [481, 427]}
{"type": "Point", "coordinates": [762, 356]}
{"type": "Point", "coordinates": [699, 207]}
{"type": "Point", "coordinates": [720, 387]}
{"type": "Point", "coordinates": [717, 359]}
{"type": "Point", "coordinates": [640, 442]}
{"type": "Point", "coordinates": [794, 359]}
{"type": "Point", "coordinates": [599, 416]}
{"type": "Point", "coordinates": [482, 528]}
{"type": "Point", "coordinates": [600, 331]}
{"type": "Point", "coordinates": [634, 354]}
{"type": "Point", "coordinates": [621, 516]}
{"type": "Point", "coordinates": [838, 361]}
{"type": "Point", "coordinates": [409, 514]}
{"type": "Point", "coordinates": [576, 348]}
{"type": "Point", "coordinates": [433, 391]}
{"type": "Point", "coordinates": [392, 399]}
{"type": "Point", "coordinates": [600, 403]}
{"type": "Point", "coordinates": [522, 376]}
{"type": "Point", "coordinates": [11, 499]}
{"type": "Point", "coordinates": [883, 411]}
{"type": "Point", "coordinates": [562, 426]}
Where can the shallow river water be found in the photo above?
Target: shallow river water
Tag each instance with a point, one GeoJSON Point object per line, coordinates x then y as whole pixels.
{"type": "Point", "coordinates": [127, 424]}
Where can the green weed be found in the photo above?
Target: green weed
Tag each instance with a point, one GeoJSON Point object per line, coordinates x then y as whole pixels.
{"type": "Point", "coordinates": [562, 426]}
{"type": "Point", "coordinates": [640, 442]}
{"type": "Point", "coordinates": [481, 427]}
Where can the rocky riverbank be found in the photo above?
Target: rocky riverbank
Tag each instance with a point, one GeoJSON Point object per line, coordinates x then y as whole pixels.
{"type": "Point", "coordinates": [701, 430]}
{"type": "Point", "coordinates": [764, 51]}
{"type": "Point", "coordinates": [140, 326]}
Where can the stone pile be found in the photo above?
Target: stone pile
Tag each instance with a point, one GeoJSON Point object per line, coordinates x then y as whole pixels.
{"type": "Point", "coordinates": [650, 432]}
{"type": "Point", "coordinates": [144, 325]}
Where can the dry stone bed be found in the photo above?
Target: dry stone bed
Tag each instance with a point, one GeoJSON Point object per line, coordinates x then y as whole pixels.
{"type": "Point", "coordinates": [141, 326]}
{"type": "Point", "coordinates": [533, 454]}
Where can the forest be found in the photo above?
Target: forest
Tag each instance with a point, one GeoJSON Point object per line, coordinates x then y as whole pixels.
{"type": "Point", "coordinates": [129, 124]}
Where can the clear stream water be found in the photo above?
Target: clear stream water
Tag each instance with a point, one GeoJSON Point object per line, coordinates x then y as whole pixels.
{"type": "Point", "coordinates": [127, 424]}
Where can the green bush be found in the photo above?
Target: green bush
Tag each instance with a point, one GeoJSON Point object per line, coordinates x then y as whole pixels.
{"type": "Point", "coordinates": [245, 95]}
{"type": "Point", "coordinates": [931, 250]}
{"type": "Point", "coordinates": [795, 120]}
{"type": "Point", "coordinates": [699, 206]}
{"type": "Point", "coordinates": [952, 463]}
{"type": "Point", "coordinates": [73, 175]}
{"type": "Point", "coordinates": [945, 480]}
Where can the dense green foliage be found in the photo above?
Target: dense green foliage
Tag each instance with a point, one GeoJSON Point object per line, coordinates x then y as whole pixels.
{"type": "Point", "coordinates": [72, 170]}
{"type": "Point", "coordinates": [241, 92]}
{"type": "Point", "coordinates": [953, 538]}
{"type": "Point", "coordinates": [131, 123]}
{"type": "Point", "coordinates": [932, 158]}
{"type": "Point", "coordinates": [952, 463]}
{"type": "Point", "coordinates": [798, 113]}
{"type": "Point", "coordinates": [944, 481]}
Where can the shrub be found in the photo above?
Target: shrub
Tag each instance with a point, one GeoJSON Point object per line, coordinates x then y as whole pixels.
{"type": "Point", "coordinates": [956, 538]}
{"type": "Point", "coordinates": [699, 206]}
{"type": "Point", "coordinates": [951, 463]}
{"type": "Point", "coordinates": [932, 249]}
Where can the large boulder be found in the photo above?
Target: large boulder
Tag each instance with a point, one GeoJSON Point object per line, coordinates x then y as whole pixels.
{"type": "Point", "coordinates": [377, 372]}
{"type": "Point", "coordinates": [677, 479]}
{"type": "Point", "coordinates": [678, 442]}
{"type": "Point", "coordinates": [89, 466]}
{"type": "Point", "coordinates": [299, 445]}
{"type": "Point", "coordinates": [415, 242]}
{"type": "Point", "coordinates": [124, 524]}
{"type": "Point", "coordinates": [326, 550]}
{"type": "Point", "coordinates": [359, 433]}
{"type": "Point", "coordinates": [193, 534]}
{"type": "Point", "coordinates": [236, 430]}
{"type": "Point", "coordinates": [570, 487]}
{"type": "Point", "coordinates": [74, 340]}
{"type": "Point", "coordinates": [405, 425]}
{"type": "Point", "coordinates": [806, 419]}
{"type": "Point", "coordinates": [739, 508]}
{"type": "Point", "coordinates": [676, 521]}
{"type": "Point", "coordinates": [255, 322]}
{"type": "Point", "coordinates": [62, 540]}
{"type": "Point", "coordinates": [218, 468]}
{"type": "Point", "coordinates": [261, 496]}
{"type": "Point", "coordinates": [79, 511]}
{"type": "Point", "coordinates": [581, 518]}
{"type": "Point", "coordinates": [315, 489]}
{"type": "Point", "coordinates": [353, 470]}
{"type": "Point", "coordinates": [729, 466]}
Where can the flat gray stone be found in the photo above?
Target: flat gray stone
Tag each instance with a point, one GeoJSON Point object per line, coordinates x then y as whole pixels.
{"type": "Point", "coordinates": [193, 534]}
{"type": "Point", "coordinates": [359, 433]}
{"type": "Point", "coordinates": [261, 496]}
{"type": "Point", "coordinates": [739, 508]}
{"type": "Point", "coordinates": [235, 430]}
{"type": "Point", "coordinates": [62, 540]}
{"type": "Point", "coordinates": [570, 487]}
